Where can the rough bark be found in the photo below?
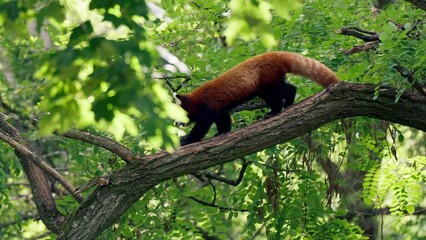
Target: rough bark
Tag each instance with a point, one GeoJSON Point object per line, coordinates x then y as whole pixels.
{"type": "Point", "coordinates": [342, 100]}
{"type": "Point", "coordinates": [39, 183]}
{"type": "Point", "coordinates": [418, 3]}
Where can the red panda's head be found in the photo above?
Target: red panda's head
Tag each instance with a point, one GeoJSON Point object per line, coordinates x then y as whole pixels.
{"type": "Point", "coordinates": [185, 102]}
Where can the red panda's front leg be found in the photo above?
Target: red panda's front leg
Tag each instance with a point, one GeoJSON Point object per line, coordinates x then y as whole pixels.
{"type": "Point", "coordinates": [201, 127]}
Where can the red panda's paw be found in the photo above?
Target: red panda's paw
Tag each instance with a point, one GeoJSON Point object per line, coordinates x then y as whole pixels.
{"type": "Point", "coordinates": [218, 134]}
{"type": "Point", "coordinates": [184, 141]}
{"type": "Point", "coordinates": [270, 114]}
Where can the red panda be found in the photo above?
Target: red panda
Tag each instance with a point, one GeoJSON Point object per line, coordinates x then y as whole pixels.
{"type": "Point", "coordinates": [262, 75]}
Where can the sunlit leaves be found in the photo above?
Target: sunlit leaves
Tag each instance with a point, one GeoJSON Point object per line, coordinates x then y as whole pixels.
{"type": "Point", "coordinates": [402, 40]}
{"type": "Point", "coordinates": [66, 205]}
{"type": "Point", "coordinates": [252, 18]}
{"type": "Point", "coordinates": [247, 16]}
{"type": "Point", "coordinates": [399, 183]}
{"type": "Point", "coordinates": [103, 82]}
{"type": "Point", "coordinates": [127, 8]}
{"type": "Point", "coordinates": [99, 75]}
{"type": "Point", "coordinates": [283, 8]}
{"type": "Point", "coordinates": [52, 10]}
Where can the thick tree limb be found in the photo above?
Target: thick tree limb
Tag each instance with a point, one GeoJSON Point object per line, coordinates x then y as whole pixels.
{"type": "Point", "coordinates": [341, 100]}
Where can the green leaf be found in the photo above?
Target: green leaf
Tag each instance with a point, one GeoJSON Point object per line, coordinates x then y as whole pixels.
{"type": "Point", "coordinates": [284, 7]}
{"type": "Point", "coordinates": [11, 9]}
{"type": "Point", "coordinates": [94, 4]}
{"type": "Point", "coordinates": [53, 10]}
{"type": "Point", "coordinates": [81, 33]}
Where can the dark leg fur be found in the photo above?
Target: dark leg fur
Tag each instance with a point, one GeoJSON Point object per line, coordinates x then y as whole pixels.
{"type": "Point", "coordinates": [289, 94]}
{"type": "Point", "coordinates": [223, 123]}
{"type": "Point", "coordinates": [201, 127]}
{"type": "Point", "coordinates": [273, 96]}
{"type": "Point", "coordinates": [278, 96]}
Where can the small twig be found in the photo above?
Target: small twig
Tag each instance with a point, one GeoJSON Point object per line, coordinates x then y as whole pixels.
{"type": "Point", "coordinates": [183, 83]}
{"type": "Point", "coordinates": [216, 206]}
{"type": "Point", "coordinates": [259, 230]}
{"type": "Point", "coordinates": [397, 25]}
{"type": "Point", "coordinates": [122, 151]}
{"type": "Point", "coordinates": [100, 181]}
{"type": "Point", "coordinates": [170, 85]}
{"type": "Point", "coordinates": [370, 38]}
{"type": "Point", "coordinates": [229, 181]}
{"type": "Point", "coordinates": [361, 48]}
{"type": "Point", "coordinates": [174, 44]}
{"type": "Point", "coordinates": [366, 36]}
{"type": "Point", "coordinates": [168, 78]}
{"type": "Point", "coordinates": [214, 191]}
{"type": "Point", "coordinates": [409, 75]}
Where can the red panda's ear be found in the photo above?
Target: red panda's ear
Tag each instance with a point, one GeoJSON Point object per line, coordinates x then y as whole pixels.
{"type": "Point", "coordinates": [179, 99]}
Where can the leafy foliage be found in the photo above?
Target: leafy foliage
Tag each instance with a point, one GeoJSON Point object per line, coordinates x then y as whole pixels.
{"type": "Point", "coordinates": [403, 180]}
{"type": "Point", "coordinates": [110, 66]}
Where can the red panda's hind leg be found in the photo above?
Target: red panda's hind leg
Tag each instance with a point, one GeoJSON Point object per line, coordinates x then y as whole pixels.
{"type": "Point", "coordinates": [273, 96]}
{"type": "Point", "coordinates": [289, 94]}
{"type": "Point", "coordinates": [279, 96]}
{"type": "Point", "coordinates": [223, 123]}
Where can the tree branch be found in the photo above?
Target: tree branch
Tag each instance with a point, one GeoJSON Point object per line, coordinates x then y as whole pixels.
{"type": "Point", "coordinates": [370, 38]}
{"type": "Point", "coordinates": [366, 36]}
{"type": "Point", "coordinates": [206, 235]}
{"type": "Point", "coordinates": [32, 165]}
{"type": "Point", "coordinates": [122, 151]}
{"type": "Point", "coordinates": [224, 209]}
{"type": "Point", "coordinates": [418, 3]}
{"type": "Point", "coordinates": [409, 75]}
{"type": "Point", "coordinates": [341, 100]}
{"type": "Point", "coordinates": [229, 181]}
{"type": "Point", "coordinates": [25, 151]}
{"type": "Point", "coordinates": [361, 48]}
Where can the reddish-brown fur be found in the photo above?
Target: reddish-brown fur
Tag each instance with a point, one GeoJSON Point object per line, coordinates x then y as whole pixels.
{"type": "Point", "coordinates": [262, 75]}
{"type": "Point", "coordinates": [245, 79]}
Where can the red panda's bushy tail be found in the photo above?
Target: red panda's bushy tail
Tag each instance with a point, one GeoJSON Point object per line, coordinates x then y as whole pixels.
{"type": "Point", "coordinates": [309, 68]}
